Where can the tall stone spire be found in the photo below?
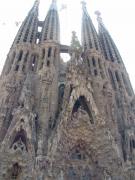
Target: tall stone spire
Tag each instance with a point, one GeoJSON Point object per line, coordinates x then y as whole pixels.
{"type": "Point", "coordinates": [108, 46]}
{"type": "Point", "coordinates": [89, 34]}
{"type": "Point", "coordinates": [28, 30]}
{"type": "Point", "coordinates": [51, 29]}
{"type": "Point", "coordinates": [27, 34]}
{"type": "Point", "coordinates": [119, 78]}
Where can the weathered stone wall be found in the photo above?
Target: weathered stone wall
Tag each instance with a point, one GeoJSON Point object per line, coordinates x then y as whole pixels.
{"type": "Point", "coordinates": [65, 121]}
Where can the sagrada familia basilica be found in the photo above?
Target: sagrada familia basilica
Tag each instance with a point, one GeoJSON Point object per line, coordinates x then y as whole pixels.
{"type": "Point", "coordinates": [65, 121]}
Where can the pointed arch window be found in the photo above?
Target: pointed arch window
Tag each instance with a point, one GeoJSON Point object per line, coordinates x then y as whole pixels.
{"type": "Point", "coordinates": [82, 103]}
{"type": "Point", "coordinates": [15, 171]}
{"type": "Point", "coordinates": [20, 141]}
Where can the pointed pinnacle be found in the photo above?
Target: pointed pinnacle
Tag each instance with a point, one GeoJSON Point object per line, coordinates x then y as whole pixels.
{"type": "Point", "coordinates": [54, 4]}
{"type": "Point", "coordinates": [54, 1]}
{"type": "Point", "coordinates": [83, 2]}
{"type": "Point", "coordinates": [98, 13]}
{"type": "Point", "coordinates": [36, 4]}
{"type": "Point", "coordinates": [99, 18]}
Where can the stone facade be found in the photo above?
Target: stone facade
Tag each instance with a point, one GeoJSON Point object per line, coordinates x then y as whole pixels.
{"type": "Point", "coordinates": [65, 121]}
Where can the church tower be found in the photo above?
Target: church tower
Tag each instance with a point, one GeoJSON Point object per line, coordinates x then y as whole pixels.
{"type": "Point", "coordinates": [65, 121]}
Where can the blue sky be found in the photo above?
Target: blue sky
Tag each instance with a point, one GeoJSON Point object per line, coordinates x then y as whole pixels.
{"type": "Point", "coordinates": [118, 17]}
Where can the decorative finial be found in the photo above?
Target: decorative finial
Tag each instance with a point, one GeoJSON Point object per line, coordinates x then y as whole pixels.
{"type": "Point", "coordinates": [37, 1]}
{"type": "Point", "coordinates": [53, 1]}
{"type": "Point", "coordinates": [36, 4]}
{"type": "Point", "coordinates": [54, 4]}
{"type": "Point", "coordinates": [98, 13]}
{"type": "Point", "coordinates": [99, 19]}
{"type": "Point", "coordinates": [83, 2]}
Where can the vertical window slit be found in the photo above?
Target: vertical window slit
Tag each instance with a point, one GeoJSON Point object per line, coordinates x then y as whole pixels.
{"type": "Point", "coordinates": [43, 53]}
{"type": "Point", "coordinates": [93, 62]}
{"type": "Point", "coordinates": [17, 68]}
{"type": "Point", "coordinates": [49, 52]}
{"type": "Point", "coordinates": [20, 55]}
{"type": "Point", "coordinates": [117, 77]}
{"type": "Point", "coordinates": [26, 57]}
{"type": "Point", "coordinates": [33, 62]}
{"type": "Point", "coordinates": [48, 63]}
{"type": "Point", "coordinates": [95, 72]}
